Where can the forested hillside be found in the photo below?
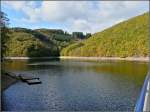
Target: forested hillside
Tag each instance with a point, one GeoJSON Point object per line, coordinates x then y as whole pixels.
{"type": "Point", "coordinates": [128, 38]}
{"type": "Point", "coordinates": [35, 43]}
{"type": "Point", "coordinates": [58, 37]}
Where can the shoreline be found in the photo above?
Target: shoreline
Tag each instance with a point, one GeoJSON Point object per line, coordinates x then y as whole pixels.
{"type": "Point", "coordinates": [145, 59]}
{"type": "Point", "coordinates": [7, 81]}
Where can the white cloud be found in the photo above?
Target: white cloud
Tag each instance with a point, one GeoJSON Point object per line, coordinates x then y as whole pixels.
{"type": "Point", "coordinates": [84, 16]}
{"type": "Point", "coordinates": [62, 11]}
{"type": "Point", "coordinates": [81, 25]}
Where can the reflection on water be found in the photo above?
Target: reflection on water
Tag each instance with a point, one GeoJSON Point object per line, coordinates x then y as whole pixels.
{"type": "Point", "coordinates": [76, 85]}
{"type": "Point", "coordinates": [135, 71]}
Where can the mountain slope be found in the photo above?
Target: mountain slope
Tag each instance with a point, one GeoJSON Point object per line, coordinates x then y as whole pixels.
{"type": "Point", "coordinates": [36, 43]}
{"type": "Point", "coordinates": [25, 42]}
{"type": "Point", "coordinates": [128, 38]}
{"type": "Point", "coordinates": [59, 37]}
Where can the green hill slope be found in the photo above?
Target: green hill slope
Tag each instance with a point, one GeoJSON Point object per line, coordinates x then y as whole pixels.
{"type": "Point", "coordinates": [128, 38]}
{"type": "Point", "coordinates": [59, 37]}
{"type": "Point", "coordinates": [36, 43]}
{"type": "Point", "coordinates": [25, 42]}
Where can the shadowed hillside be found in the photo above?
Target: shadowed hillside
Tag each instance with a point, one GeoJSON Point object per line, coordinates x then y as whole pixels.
{"type": "Point", "coordinates": [58, 37]}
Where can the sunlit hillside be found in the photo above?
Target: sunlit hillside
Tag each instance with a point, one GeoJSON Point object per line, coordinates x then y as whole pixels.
{"type": "Point", "coordinates": [128, 38]}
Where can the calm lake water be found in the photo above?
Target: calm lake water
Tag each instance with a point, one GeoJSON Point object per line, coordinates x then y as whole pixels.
{"type": "Point", "coordinates": [75, 85]}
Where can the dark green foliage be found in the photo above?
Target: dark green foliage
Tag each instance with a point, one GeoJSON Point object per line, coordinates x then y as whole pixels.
{"type": "Point", "coordinates": [128, 38]}
{"type": "Point", "coordinates": [40, 50]}
{"type": "Point", "coordinates": [58, 37]}
{"type": "Point", "coordinates": [88, 35]}
{"type": "Point", "coordinates": [78, 35]}
{"type": "Point", "coordinates": [56, 31]}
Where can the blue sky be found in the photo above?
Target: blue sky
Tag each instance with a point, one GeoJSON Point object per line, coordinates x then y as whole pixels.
{"type": "Point", "coordinates": [85, 16]}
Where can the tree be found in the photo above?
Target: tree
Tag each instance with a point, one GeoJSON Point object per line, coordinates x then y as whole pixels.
{"type": "Point", "coordinates": [78, 35]}
{"type": "Point", "coordinates": [66, 33]}
{"type": "Point", "coordinates": [4, 21]}
{"type": "Point", "coordinates": [88, 35]}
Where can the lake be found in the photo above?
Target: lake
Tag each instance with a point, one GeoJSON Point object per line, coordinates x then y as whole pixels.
{"type": "Point", "coordinates": [75, 85]}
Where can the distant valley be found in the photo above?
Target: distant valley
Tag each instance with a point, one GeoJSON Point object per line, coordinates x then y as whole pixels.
{"type": "Point", "coordinates": [126, 39]}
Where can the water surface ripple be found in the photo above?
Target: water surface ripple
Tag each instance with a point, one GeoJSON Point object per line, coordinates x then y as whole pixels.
{"type": "Point", "coordinates": [75, 85]}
